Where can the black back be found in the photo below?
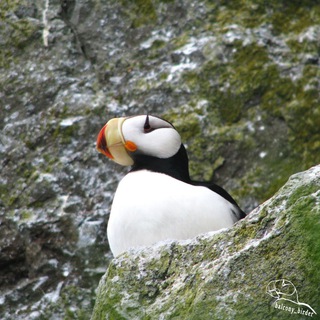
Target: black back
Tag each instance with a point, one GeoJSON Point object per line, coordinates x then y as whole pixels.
{"type": "Point", "coordinates": [178, 168]}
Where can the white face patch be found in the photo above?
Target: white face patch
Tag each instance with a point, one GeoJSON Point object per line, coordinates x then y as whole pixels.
{"type": "Point", "coordinates": [159, 139]}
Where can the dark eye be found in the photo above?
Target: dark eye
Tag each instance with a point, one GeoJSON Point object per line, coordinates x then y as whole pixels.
{"type": "Point", "coordinates": [146, 127]}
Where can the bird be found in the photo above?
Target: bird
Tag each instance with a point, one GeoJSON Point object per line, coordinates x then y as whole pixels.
{"type": "Point", "coordinates": [157, 200]}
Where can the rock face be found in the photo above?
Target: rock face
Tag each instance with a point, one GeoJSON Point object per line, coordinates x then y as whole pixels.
{"type": "Point", "coordinates": [229, 274]}
{"type": "Point", "coordinates": [239, 80]}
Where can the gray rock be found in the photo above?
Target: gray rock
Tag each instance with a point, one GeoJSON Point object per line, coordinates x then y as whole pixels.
{"type": "Point", "coordinates": [227, 274]}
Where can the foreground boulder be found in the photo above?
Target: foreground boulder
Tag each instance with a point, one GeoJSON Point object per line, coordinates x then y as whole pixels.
{"type": "Point", "coordinates": [265, 267]}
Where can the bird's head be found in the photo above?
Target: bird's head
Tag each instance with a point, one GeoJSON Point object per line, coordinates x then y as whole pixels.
{"type": "Point", "coordinates": [121, 139]}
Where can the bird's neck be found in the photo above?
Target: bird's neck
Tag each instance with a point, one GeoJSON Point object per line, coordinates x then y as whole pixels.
{"type": "Point", "coordinates": [177, 166]}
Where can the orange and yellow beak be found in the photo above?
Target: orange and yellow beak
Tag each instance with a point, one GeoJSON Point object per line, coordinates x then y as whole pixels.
{"type": "Point", "coordinates": [111, 143]}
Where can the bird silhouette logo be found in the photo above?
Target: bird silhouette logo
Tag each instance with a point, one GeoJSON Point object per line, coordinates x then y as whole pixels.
{"type": "Point", "coordinates": [285, 290]}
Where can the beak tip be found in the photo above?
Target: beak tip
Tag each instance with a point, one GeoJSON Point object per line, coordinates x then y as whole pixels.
{"type": "Point", "coordinates": [101, 144]}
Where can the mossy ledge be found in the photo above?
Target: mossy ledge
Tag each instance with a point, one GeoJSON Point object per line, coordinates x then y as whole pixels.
{"type": "Point", "coordinates": [224, 275]}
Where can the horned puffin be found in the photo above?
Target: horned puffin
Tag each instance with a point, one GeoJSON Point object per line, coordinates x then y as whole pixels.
{"type": "Point", "coordinates": [157, 200]}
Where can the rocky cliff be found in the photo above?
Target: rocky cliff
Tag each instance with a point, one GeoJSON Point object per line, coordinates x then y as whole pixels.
{"type": "Point", "coordinates": [236, 273]}
{"type": "Point", "coordinates": [239, 80]}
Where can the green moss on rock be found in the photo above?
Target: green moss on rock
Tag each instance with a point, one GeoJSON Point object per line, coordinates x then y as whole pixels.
{"type": "Point", "coordinates": [141, 12]}
{"type": "Point", "coordinates": [17, 33]}
{"type": "Point", "coordinates": [285, 17]}
{"type": "Point", "coordinates": [250, 86]}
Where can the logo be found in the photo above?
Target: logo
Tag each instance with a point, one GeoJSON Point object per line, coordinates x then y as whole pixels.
{"type": "Point", "coordinates": [287, 299]}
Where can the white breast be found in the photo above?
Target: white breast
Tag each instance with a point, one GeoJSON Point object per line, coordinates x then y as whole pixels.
{"type": "Point", "coordinates": [149, 207]}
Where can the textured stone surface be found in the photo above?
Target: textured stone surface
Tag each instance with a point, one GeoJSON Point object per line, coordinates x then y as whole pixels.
{"type": "Point", "coordinates": [239, 80]}
{"type": "Point", "coordinates": [225, 275]}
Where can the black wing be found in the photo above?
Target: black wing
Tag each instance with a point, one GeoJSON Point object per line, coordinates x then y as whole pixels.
{"type": "Point", "coordinates": [223, 193]}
